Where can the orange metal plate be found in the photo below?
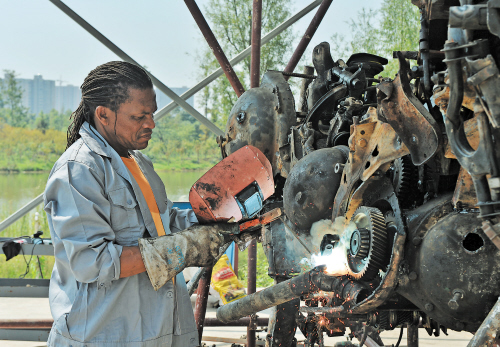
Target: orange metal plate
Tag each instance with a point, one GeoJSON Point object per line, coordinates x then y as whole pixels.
{"type": "Point", "coordinates": [212, 197]}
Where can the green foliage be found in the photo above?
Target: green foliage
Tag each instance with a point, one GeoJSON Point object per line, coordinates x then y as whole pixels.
{"type": "Point", "coordinates": [231, 22]}
{"type": "Point", "coordinates": [394, 27]}
{"type": "Point", "coordinates": [263, 279]}
{"type": "Point", "coordinates": [12, 111]}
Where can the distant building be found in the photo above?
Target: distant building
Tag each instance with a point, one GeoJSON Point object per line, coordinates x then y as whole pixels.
{"type": "Point", "coordinates": [162, 100]}
{"type": "Point", "coordinates": [67, 98]}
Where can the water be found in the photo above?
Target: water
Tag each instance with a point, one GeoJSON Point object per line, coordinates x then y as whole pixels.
{"type": "Point", "coordinates": [18, 189]}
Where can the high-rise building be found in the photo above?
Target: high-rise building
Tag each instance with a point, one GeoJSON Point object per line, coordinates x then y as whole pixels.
{"type": "Point", "coordinates": [67, 98]}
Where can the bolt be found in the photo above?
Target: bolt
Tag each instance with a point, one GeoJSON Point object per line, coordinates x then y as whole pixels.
{"type": "Point", "coordinates": [339, 167]}
{"type": "Point", "coordinates": [457, 295]}
{"type": "Point", "coordinates": [429, 307]}
{"type": "Point", "coordinates": [416, 240]}
{"type": "Point", "coordinates": [414, 139]}
{"type": "Point", "coordinates": [413, 276]}
{"type": "Point", "coordinates": [362, 143]}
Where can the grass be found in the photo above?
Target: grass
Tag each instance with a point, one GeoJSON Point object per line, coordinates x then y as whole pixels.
{"type": "Point", "coordinates": [263, 280]}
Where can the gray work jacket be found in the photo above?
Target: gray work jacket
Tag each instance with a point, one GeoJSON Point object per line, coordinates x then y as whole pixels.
{"type": "Point", "coordinates": [94, 208]}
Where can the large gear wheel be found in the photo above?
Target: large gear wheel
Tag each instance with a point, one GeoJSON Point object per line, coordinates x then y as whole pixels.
{"type": "Point", "coordinates": [367, 244]}
{"type": "Point", "coordinates": [404, 177]}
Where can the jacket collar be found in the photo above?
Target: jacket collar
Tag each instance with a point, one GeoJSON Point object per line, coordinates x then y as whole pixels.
{"type": "Point", "coordinates": [96, 143]}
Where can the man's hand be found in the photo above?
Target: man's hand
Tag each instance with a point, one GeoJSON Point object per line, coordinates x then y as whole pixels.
{"type": "Point", "coordinates": [131, 262]}
{"type": "Point", "coordinates": [199, 245]}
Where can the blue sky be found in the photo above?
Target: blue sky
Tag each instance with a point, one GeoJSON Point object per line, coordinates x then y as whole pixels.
{"type": "Point", "coordinates": [36, 37]}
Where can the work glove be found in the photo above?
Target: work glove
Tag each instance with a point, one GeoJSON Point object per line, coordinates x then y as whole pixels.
{"type": "Point", "coordinates": [198, 245]}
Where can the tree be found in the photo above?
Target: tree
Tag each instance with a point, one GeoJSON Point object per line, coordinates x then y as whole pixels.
{"type": "Point", "coordinates": [231, 22]}
{"type": "Point", "coordinates": [394, 27]}
{"type": "Point", "coordinates": [11, 93]}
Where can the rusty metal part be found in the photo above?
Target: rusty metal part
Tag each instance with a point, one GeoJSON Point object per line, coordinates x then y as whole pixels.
{"type": "Point", "coordinates": [388, 283]}
{"type": "Point", "coordinates": [412, 336]}
{"type": "Point", "coordinates": [373, 145]}
{"type": "Point", "coordinates": [308, 70]}
{"type": "Point", "coordinates": [311, 186]}
{"type": "Point", "coordinates": [215, 47]}
{"type": "Point", "coordinates": [251, 285]}
{"type": "Point", "coordinates": [306, 283]}
{"type": "Point", "coordinates": [471, 131]}
{"type": "Point", "coordinates": [308, 35]}
{"type": "Point", "coordinates": [266, 218]}
{"type": "Point", "coordinates": [493, 232]}
{"type": "Point", "coordinates": [269, 114]}
{"type": "Point", "coordinates": [309, 75]}
{"type": "Point", "coordinates": [442, 96]}
{"type": "Point", "coordinates": [409, 118]}
{"type": "Point", "coordinates": [487, 334]}
{"type": "Point", "coordinates": [282, 324]}
{"type": "Point", "coordinates": [200, 308]}
{"type": "Point", "coordinates": [256, 36]}
{"type": "Point", "coordinates": [322, 61]}
{"type": "Point", "coordinates": [465, 193]}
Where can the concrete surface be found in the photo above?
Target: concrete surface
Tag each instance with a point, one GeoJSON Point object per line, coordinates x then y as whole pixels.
{"type": "Point", "coordinates": [35, 308]}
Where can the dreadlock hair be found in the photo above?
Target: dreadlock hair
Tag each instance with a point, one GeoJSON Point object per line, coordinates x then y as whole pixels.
{"type": "Point", "coordinates": [107, 85]}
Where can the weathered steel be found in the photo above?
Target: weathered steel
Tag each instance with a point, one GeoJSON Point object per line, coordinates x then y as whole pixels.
{"type": "Point", "coordinates": [311, 281]}
{"type": "Point", "coordinates": [308, 35]}
{"type": "Point", "coordinates": [115, 49]}
{"type": "Point", "coordinates": [215, 47]}
{"type": "Point", "coordinates": [238, 58]}
{"type": "Point", "coordinates": [251, 284]}
{"type": "Point", "coordinates": [256, 38]}
{"type": "Point", "coordinates": [201, 301]}
{"type": "Point", "coordinates": [412, 336]}
{"type": "Point", "coordinates": [419, 131]}
{"type": "Point", "coordinates": [21, 212]}
{"type": "Point", "coordinates": [465, 193]}
{"type": "Point", "coordinates": [487, 334]}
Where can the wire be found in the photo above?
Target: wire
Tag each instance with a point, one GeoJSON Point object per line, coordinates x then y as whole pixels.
{"type": "Point", "coordinates": [39, 265]}
{"type": "Point", "coordinates": [400, 337]}
{"type": "Point", "coordinates": [27, 262]}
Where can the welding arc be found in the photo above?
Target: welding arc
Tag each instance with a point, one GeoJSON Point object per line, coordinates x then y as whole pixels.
{"type": "Point", "coordinates": [365, 264]}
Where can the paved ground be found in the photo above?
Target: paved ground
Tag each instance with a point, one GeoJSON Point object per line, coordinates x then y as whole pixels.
{"type": "Point", "coordinates": [31, 308]}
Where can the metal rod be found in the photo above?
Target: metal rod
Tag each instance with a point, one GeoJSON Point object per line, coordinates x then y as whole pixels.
{"type": "Point", "coordinates": [310, 31]}
{"type": "Point", "coordinates": [486, 335]}
{"type": "Point", "coordinates": [240, 57]}
{"type": "Point", "coordinates": [115, 49]}
{"type": "Point", "coordinates": [242, 322]}
{"type": "Point", "coordinates": [215, 47]}
{"type": "Point", "coordinates": [412, 335]}
{"type": "Point", "coordinates": [201, 301]}
{"type": "Point", "coordinates": [21, 212]}
{"type": "Point", "coordinates": [256, 38]}
{"type": "Point", "coordinates": [252, 284]}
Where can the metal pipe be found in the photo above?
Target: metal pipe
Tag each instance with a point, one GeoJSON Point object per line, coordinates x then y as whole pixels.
{"type": "Point", "coordinates": [243, 322]}
{"type": "Point", "coordinates": [486, 335]}
{"type": "Point", "coordinates": [412, 336]}
{"type": "Point", "coordinates": [310, 31]}
{"type": "Point", "coordinates": [252, 284]}
{"type": "Point", "coordinates": [256, 38]}
{"type": "Point", "coordinates": [201, 301]}
{"type": "Point", "coordinates": [306, 283]}
{"type": "Point", "coordinates": [215, 47]}
{"type": "Point", "coordinates": [21, 212]}
{"type": "Point", "coordinates": [237, 59]}
{"type": "Point", "coordinates": [115, 49]}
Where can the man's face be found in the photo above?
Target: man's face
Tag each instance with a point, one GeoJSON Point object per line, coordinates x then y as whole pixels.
{"type": "Point", "coordinates": [132, 125]}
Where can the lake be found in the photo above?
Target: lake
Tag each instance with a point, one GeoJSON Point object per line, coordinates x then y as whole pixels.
{"type": "Point", "coordinates": [18, 189]}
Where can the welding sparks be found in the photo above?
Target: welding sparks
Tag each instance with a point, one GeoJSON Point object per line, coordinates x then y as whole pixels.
{"type": "Point", "coordinates": [335, 258]}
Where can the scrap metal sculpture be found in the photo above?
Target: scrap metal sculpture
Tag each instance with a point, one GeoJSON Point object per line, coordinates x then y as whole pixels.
{"type": "Point", "coordinates": [402, 172]}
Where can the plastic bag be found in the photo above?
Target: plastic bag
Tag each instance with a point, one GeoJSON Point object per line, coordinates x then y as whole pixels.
{"type": "Point", "coordinates": [225, 282]}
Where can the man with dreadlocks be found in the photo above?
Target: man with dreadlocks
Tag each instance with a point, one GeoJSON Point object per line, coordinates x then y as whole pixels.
{"type": "Point", "coordinates": [116, 280]}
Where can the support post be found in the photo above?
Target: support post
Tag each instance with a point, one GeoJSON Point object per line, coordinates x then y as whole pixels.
{"type": "Point", "coordinates": [310, 31]}
{"type": "Point", "coordinates": [200, 308]}
{"type": "Point", "coordinates": [124, 56]}
{"type": "Point", "coordinates": [215, 47]}
{"type": "Point", "coordinates": [240, 57]}
{"type": "Point", "coordinates": [252, 284]}
{"type": "Point", "coordinates": [256, 37]}
{"type": "Point", "coordinates": [412, 335]}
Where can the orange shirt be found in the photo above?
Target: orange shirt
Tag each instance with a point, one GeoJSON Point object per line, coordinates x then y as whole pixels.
{"type": "Point", "coordinates": [146, 190]}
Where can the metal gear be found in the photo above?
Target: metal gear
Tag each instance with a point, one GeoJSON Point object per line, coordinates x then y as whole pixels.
{"type": "Point", "coordinates": [368, 244]}
{"type": "Point", "coordinates": [404, 177]}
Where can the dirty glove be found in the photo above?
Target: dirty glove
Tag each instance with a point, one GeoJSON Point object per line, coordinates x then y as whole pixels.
{"type": "Point", "coordinates": [198, 245]}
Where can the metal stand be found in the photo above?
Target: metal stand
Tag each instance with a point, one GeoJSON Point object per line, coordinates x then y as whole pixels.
{"type": "Point", "coordinates": [412, 336]}
{"type": "Point", "coordinates": [201, 301]}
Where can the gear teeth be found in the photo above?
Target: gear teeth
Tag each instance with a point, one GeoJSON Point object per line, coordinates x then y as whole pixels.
{"type": "Point", "coordinates": [375, 243]}
{"type": "Point", "coordinates": [404, 178]}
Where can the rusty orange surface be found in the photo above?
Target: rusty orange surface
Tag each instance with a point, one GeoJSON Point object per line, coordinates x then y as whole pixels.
{"type": "Point", "coordinates": [212, 197]}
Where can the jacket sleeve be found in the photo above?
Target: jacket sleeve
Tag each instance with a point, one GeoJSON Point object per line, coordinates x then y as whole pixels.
{"type": "Point", "coordinates": [180, 219]}
{"type": "Point", "coordinates": [79, 214]}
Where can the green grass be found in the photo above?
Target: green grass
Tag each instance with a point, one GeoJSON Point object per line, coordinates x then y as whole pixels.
{"type": "Point", "coordinates": [263, 280]}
